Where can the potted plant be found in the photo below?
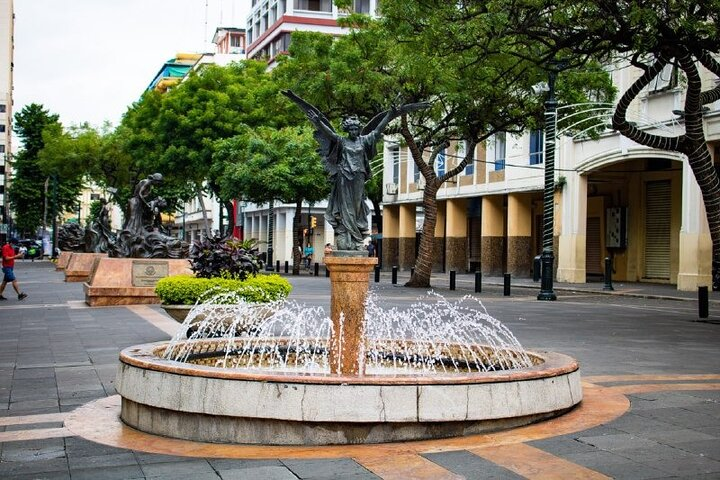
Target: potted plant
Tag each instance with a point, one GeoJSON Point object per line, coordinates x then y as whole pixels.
{"type": "Point", "coordinates": [224, 269]}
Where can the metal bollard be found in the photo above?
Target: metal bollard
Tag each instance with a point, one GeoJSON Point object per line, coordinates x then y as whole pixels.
{"type": "Point", "coordinates": [412, 271]}
{"type": "Point", "coordinates": [703, 310]}
{"type": "Point", "coordinates": [537, 268]}
{"type": "Point", "coordinates": [506, 285]}
{"type": "Point", "coordinates": [287, 265]}
{"type": "Point", "coordinates": [452, 279]}
{"type": "Point", "coordinates": [327, 272]}
{"type": "Point", "coordinates": [377, 273]}
{"type": "Point", "coordinates": [608, 275]}
{"type": "Point", "coordinates": [478, 281]}
{"type": "Point", "coordinates": [317, 269]}
{"type": "Point", "coordinates": [394, 275]}
{"type": "Point", "coordinates": [277, 266]}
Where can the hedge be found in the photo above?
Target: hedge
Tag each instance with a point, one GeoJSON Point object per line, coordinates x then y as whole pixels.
{"type": "Point", "coordinates": [187, 290]}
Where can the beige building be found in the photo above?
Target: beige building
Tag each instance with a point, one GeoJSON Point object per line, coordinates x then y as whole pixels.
{"type": "Point", "coordinates": [639, 207]}
{"type": "Point", "coordinates": [7, 20]}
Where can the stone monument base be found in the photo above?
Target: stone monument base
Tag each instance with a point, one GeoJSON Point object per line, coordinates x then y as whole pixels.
{"type": "Point", "coordinates": [80, 265]}
{"type": "Point", "coordinates": [129, 281]}
{"type": "Point", "coordinates": [62, 261]}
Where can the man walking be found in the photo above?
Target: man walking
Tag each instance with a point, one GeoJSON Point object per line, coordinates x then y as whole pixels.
{"type": "Point", "coordinates": [8, 264]}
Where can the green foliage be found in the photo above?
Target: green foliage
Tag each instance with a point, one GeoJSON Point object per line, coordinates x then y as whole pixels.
{"type": "Point", "coordinates": [187, 290]}
{"type": "Point", "coordinates": [175, 133]}
{"type": "Point", "coordinates": [265, 164]}
{"type": "Point", "coordinates": [27, 191]}
{"type": "Point", "coordinates": [95, 207]}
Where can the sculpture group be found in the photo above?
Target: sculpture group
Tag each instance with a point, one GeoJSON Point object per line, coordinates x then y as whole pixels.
{"type": "Point", "coordinates": [140, 237]}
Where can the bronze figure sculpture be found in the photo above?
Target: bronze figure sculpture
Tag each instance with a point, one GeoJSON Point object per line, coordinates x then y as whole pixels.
{"type": "Point", "coordinates": [347, 162]}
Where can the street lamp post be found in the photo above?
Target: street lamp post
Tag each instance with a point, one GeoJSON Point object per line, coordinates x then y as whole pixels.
{"type": "Point", "coordinates": [547, 258]}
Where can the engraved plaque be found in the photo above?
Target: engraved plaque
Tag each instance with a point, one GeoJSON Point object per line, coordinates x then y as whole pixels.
{"type": "Point", "coordinates": [146, 273]}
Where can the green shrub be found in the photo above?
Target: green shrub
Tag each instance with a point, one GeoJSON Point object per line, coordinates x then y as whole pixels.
{"type": "Point", "coordinates": [187, 290]}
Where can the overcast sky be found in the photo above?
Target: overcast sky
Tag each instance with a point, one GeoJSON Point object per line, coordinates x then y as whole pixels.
{"type": "Point", "coordinates": [88, 60]}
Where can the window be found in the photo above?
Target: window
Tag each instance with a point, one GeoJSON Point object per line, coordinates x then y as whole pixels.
{"type": "Point", "coordinates": [314, 5]}
{"type": "Point", "coordinates": [2, 148]}
{"type": "Point", "coordinates": [500, 151]}
{"type": "Point", "coordinates": [361, 6]}
{"type": "Point", "coordinates": [440, 163]}
{"type": "Point", "coordinates": [461, 152]}
{"type": "Point", "coordinates": [416, 170]}
{"type": "Point", "coordinates": [536, 147]}
{"type": "Point", "coordinates": [395, 153]}
{"type": "Point", "coordinates": [2, 108]}
{"type": "Point", "coordinates": [94, 196]}
{"type": "Point", "coordinates": [665, 80]}
{"type": "Point", "coordinates": [235, 41]}
{"type": "Point", "coordinates": [2, 128]}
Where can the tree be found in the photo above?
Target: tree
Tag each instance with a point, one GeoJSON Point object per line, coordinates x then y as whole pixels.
{"type": "Point", "coordinates": [459, 56]}
{"type": "Point", "coordinates": [213, 103]}
{"type": "Point", "coordinates": [27, 192]}
{"type": "Point", "coordinates": [266, 164]}
{"type": "Point", "coordinates": [652, 35]}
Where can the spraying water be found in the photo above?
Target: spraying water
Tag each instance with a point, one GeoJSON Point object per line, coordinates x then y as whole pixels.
{"type": "Point", "coordinates": [433, 335]}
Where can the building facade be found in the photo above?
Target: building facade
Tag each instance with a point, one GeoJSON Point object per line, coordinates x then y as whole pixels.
{"type": "Point", "coordinates": [7, 22]}
{"type": "Point", "coordinates": [639, 207]}
{"type": "Point", "coordinates": [271, 22]}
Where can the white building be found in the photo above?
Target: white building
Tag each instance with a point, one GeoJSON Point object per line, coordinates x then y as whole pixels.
{"type": "Point", "coordinates": [271, 22]}
{"type": "Point", "coordinates": [7, 23]}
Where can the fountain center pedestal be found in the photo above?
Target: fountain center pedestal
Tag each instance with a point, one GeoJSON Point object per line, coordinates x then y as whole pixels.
{"type": "Point", "coordinates": [348, 292]}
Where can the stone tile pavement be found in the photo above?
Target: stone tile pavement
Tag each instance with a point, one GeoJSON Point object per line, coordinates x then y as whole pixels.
{"type": "Point", "coordinates": [643, 342]}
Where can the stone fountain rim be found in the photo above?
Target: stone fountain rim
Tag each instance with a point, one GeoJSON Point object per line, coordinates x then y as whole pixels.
{"type": "Point", "coordinates": [551, 364]}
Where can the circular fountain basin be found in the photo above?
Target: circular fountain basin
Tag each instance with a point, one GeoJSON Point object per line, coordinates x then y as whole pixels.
{"type": "Point", "coordinates": [223, 405]}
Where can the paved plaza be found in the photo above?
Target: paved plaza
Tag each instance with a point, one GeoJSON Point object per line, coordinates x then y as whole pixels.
{"type": "Point", "coordinates": [650, 369]}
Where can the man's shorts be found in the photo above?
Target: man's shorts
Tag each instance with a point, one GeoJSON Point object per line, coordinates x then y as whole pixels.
{"type": "Point", "coordinates": [8, 274]}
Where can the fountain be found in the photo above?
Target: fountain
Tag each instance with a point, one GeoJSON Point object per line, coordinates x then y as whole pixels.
{"type": "Point", "coordinates": [439, 369]}
{"type": "Point", "coordinates": [365, 375]}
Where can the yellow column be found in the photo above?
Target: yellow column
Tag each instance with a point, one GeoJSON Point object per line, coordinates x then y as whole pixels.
{"type": "Point", "coordinates": [519, 234]}
{"type": "Point", "coordinates": [456, 235]}
{"type": "Point", "coordinates": [493, 235]}
{"type": "Point", "coordinates": [391, 229]}
{"type": "Point", "coordinates": [406, 240]}
{"type": "Point", "coordinates": [695, 244]}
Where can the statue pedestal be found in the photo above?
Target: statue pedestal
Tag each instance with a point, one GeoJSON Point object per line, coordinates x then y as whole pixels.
{"type": "Point", "coordinates": [129, 281]}
{"type": "Point", "coordinates": [62, 261]}
{"type": "Point", "coordinates": [80, 265]}
{"type": "Point", "coordinates": [349, 283]}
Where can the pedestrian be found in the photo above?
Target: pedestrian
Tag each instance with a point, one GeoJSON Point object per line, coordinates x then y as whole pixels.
{"type": "Point", "coordinates": [309, 250]}
{"type": "Point", "coordinates": [328, 249]}
{"type": "Point", "coordinates": [8, 264]}
{"type": "Point", "coordinates": [371, 249]}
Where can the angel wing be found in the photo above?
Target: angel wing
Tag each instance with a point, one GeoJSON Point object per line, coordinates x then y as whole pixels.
{"type": "Point", "coordinates": [328, 146]}
{"type": "Point", "coordinates": [410, 107]}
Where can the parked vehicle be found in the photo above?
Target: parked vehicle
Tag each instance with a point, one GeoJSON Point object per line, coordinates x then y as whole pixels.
{"type": "Point", "coordinates": [34, 248]}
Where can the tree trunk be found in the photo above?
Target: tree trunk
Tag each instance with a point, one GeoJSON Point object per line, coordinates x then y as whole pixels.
{"type": "Point", "coordinates": [424, 262]}
{"type": "Point", "coordinates": [231, 218]}
{"type": "Point", "coordinates": [297, 238]}
{"type": "Point", "coordinates": [201, 201]}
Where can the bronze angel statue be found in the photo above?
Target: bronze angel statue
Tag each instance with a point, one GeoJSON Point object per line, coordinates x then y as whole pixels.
{"type": "Point", "coordinates": [347, 162]}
